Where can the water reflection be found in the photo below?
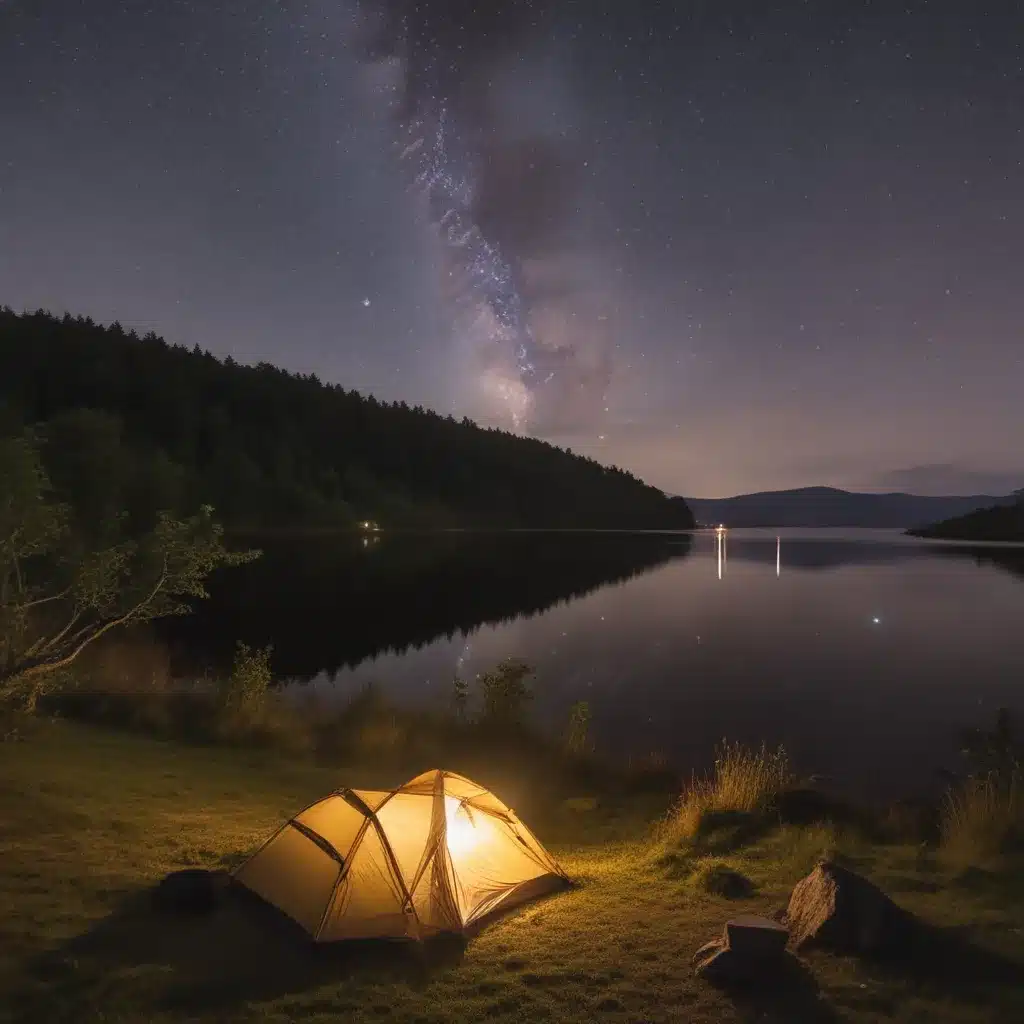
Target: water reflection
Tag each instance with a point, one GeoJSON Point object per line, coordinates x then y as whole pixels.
{"type": "Point", "coordinates": [326, 604]}
{"type": "Point", "coordinates": [864, 654]}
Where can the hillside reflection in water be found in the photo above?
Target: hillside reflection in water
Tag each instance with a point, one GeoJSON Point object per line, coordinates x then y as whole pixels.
{"type": "Point", "coordinates": [863, 652]}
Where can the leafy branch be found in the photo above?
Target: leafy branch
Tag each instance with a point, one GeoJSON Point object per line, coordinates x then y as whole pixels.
{"type": "Point", "coordinates": [58, 594]}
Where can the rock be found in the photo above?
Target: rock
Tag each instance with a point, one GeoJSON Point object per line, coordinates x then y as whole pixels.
{"type": "Point", "coordinates": [836, 909]}
{"type": "Point", "coordinates": [191, 891]}
{"type": "Point", "coordinates": [751, 948]}
{"type": "Point", "coordinates": [754, 936]}
{"type": "Point", "coordinates": [726, 966]}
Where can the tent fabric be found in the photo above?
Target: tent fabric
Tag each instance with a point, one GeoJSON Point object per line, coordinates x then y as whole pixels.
{"type": "Point", "coordinates": [435, 855]}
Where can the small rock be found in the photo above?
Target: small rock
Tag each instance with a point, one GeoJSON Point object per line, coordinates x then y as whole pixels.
{"type": "Point", "coordinates": [754, 936]}
{"type": "Point", "coordinates": [751, 948]}
{"type": "Point", "coordinates": [835, 908]}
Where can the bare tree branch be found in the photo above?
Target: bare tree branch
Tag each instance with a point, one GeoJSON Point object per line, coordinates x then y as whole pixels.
{"type": "Point", "coordinates": [25, 606]}
{"type": "Point", "coordinates": [38, 666]}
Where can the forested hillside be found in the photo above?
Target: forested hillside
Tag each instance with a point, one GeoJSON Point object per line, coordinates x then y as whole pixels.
{"type": "Point", "coordinates": [999, 523]}
{"type": "Point", "coordinates": [271, 449]}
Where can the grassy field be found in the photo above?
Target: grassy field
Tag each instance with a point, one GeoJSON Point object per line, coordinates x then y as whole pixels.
{"type": "Point", "coordinates": [89, 819]}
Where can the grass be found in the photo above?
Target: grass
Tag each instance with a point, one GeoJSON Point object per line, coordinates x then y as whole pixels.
{"type": "Point", "coordinates": [720, 878]}
{"type": "Point", "coordinates": [90, 818]}
{"type": "Point", "coordinates": [983, 821]}
{"type": "Point", "coordinates": [743, 783]}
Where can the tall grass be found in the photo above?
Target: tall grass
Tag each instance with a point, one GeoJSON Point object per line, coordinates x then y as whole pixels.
{"type": "Point", "coordinates": [983, 820]}
{"type": "Point", "coordinates": [744, 780]}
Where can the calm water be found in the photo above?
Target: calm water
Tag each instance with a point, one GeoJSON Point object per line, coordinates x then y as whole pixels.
{"type": "Point", "coordinates": [863, 652]}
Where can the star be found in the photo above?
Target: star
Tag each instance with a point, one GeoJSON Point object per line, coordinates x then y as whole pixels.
{"type": "Point", "coordinates": [366, 302]}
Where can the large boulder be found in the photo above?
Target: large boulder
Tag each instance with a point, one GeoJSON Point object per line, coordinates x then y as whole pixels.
{"type": "Point", "coordinates": [751, 948]}
{"type": "Point", "coordinates": [836, 909]}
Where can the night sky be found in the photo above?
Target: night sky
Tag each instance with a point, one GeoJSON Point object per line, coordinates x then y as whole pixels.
{"type": "Point", "coordinates": [728, 246]}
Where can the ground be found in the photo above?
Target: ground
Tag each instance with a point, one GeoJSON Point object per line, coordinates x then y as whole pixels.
{"type": "Point", "coordinates": [89, 819]}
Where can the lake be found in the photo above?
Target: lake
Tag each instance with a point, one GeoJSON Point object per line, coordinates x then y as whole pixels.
{"type": "Point", "coordinates": [863, 652]}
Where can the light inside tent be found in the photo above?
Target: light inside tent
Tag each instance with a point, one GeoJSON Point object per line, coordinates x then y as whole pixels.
{"type": "Point", "coordinates": [462, 831]}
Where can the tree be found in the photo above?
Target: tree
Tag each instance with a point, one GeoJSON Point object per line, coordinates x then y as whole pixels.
{"type": "Point", "coordinates": [273, 449]}
{"type": "Point", "coordinates": [58, 593]}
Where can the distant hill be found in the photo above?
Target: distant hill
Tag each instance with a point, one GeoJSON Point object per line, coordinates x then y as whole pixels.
{"type": "Point", "coordinates": [831, 507]}
{"type": "Point", "coordinates": [272, 449]}
{"type": "Point", "coordinates": [1003, 522]}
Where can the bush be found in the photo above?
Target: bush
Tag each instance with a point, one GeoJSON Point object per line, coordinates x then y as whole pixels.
{"type": "Point", "coordinates": [460, 698]}
{"type": "Point", "coordinates": [245, 690]}
{"type": "Point", "coordinates": [505, 693]}
{"type": "Point", "coordinates": [994, 752]}
{"type": "Point", "coordinates": [577, 736]}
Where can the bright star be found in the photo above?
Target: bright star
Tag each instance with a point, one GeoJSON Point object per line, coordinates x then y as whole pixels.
{"type": "Point", "coordinates": [366, 302]}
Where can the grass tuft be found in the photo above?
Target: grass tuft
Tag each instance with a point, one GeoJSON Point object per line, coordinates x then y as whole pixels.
{"type": "Point", "coordinates": [720, 878]}
{"type": "Point", "coordinates": [744, 782]}
{"type": "Point", "coordinates": [982, 820]}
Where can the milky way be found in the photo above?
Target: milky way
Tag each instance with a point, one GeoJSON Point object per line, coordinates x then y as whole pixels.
{"type": "Point", "coordinates": [497, 199]}
{"type": "Point", "coordinates": [729, 246]}
{"type": "Point", "coordinates": [482, 288]}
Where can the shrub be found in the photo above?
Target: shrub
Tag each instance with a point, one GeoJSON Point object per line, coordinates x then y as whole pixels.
{"type": "Point", "coordinates": [460, 698]}
{"type": "Point", "coordinates": [996, 751]}
{"type": "Point", "coordinates": [506, 693]}
{"type": "Point", "coordinates": [577, 736]}
{"type": "Point", "coordinates": [245, 690]}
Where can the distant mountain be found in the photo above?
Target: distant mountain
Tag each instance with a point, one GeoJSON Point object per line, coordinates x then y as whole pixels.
{"type": "Point", "coordinates": [831, 507]}
{"type": "Point", "coordinates": [1001, 522]}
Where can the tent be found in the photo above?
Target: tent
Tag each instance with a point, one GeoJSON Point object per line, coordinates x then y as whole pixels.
{"type": "Point", "coordinates": [435, 855]}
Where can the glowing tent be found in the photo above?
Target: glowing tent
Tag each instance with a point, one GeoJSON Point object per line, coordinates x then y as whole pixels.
{"type": "Point", "coordinates": [435, 855]}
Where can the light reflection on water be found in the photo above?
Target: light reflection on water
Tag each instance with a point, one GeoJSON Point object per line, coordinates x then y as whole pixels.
{"type": "Point", "coordinates": [864, 652]}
